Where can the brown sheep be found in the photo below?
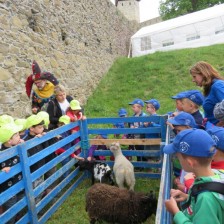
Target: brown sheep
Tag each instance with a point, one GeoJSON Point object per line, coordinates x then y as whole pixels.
{"type": "Point", "coordinates": [116, 205]}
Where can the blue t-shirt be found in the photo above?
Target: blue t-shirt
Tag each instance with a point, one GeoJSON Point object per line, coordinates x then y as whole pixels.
{"type": "Point", "coordinates": [215, 96]}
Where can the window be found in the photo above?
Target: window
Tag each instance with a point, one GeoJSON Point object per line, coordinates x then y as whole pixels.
{"type": "Point", "coordinates": [193, 37]}
{"type": "Point", "coordinates": [168, 43]}
{"type": "Point", "coordinates": [219, 30]}
{"type": "Point", "coordinates": [145, 43]}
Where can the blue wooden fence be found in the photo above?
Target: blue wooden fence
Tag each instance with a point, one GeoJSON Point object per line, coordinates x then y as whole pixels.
{"type": "Point", "coordinates": [39, 212]}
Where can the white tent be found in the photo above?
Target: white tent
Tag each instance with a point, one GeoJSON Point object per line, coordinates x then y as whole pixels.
{"type": "Point", "coordinates": [202, 28]}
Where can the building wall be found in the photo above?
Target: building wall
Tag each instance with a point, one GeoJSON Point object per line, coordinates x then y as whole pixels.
{"type": "Point", "coordinates": [75, 40]}
{"type": "Point", "coordinates": [130, 9]}
{"type": "Point", "coordinates": [151, 22]}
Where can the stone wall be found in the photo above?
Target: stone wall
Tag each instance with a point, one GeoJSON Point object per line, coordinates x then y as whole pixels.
{"type": "Point", "coordinates": [151, 21]}
{"type": "Point", "coordinates": [76, 40]}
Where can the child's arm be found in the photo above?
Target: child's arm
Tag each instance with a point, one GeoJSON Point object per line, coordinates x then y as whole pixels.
{"type": "Point", "coordinates": [6, 169]}
{"type": "Point", "coordinates": [178, 195]}
{"type": "Point", "coordinates": [78, 157]}
{"type": "Point", "coordinates": [171, 206]}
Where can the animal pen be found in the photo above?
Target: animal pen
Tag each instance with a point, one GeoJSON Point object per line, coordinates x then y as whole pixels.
{"type": "Point", "coordinates": [39, 212]}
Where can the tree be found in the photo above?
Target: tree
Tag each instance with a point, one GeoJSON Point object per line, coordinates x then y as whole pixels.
{"type": "Point", "coordinates": [173, 8]}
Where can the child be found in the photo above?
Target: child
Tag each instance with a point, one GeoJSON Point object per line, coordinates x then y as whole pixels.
{"type": "Point", "coordinates": [178, 100]}
{"type": "Point", "coordinates": [180, 122]}
{"type": "Point", "coordinates": [35, 125]}
{"type": "Point", "coordinates": [219, 113]}
{"type": "Point", "coordinates": [9, 136]}
{"type": "Point", "coordinates": [191, 101]}
{"type": "Point", "coordinates": [195, 149]}
{"type": "Point", "coordinates": [75, 114]}
{"type": "Point", "coordinates": [23, 132]}
{"type": "Point", "coordinates": [152, 106]}
{"type": "Point", "coordinates": [97, 147]}
{"type": "Point", "coordinates": [121, 113]}
{"type": "Point", "coordinates": [137, 107]}
{"type": "Point", "coordinates": [217, 134]}
{"type": "Point", "coordinates": [63, 120]}
{"type": "Point", "coordinates": [6, 119]}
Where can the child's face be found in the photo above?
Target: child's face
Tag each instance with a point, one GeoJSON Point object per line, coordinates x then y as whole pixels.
{"type": "Point", "coordinates": [136, 108]}
{"type": "Point", "coordinates": [179, 105]}
{"type": "Point", "coordinates": [15, 140]}
{"type": "Point", "coordinates": [76, 112]}
{"type": "Point", "coordinates": [150, 108]}
{"type": "Point", "coordinates": [179, 128]}
{"type": "Point", "coordinates": [61, 96]}
{"type": "Point", "coordinates": [37, 129]}
{"type": "Point", "coordinates": [184, 162]}
{"type": "Point", "coordinates": [187, 106]}
{"type": "Point", "coordinates": [60, 124]}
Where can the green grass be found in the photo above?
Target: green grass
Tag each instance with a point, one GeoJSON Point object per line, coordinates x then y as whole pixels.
{"type": "Point", "coordinates": [160, 75]}
{"type": "Point", "coordinates": [73, 210]}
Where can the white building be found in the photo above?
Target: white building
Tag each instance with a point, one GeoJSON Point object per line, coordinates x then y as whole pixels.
{"type": "Point", "coordinates": [202, 28]}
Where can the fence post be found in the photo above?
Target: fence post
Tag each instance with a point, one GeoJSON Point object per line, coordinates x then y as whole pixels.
{"type": "Point", "coordinates": [28, 183]}
{"type": "Point", "coordinates": [84, 136]}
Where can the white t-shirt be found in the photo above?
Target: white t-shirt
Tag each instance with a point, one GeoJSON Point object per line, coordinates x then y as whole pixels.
{"type": "Point", "coordinates": [64, 106]}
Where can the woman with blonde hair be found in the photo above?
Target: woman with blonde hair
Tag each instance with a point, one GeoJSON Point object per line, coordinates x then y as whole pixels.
{"type": "Point", "coordinates": [58, 106]}
{"type": "Point", "coordinates": [207, 77]}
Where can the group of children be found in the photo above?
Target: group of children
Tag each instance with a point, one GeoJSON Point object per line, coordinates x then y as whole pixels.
{"type": "Point", "coordinates": [16, 131]}
{"type": "Point", "coordinates": [199, 148]}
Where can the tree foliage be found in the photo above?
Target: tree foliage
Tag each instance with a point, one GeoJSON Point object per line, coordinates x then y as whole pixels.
{"type": "Point", "coordinates": [173, 8]}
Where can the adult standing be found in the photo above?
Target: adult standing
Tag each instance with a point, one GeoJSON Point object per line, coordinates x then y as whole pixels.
{"type": "Point", "coordinates": [58, 106]}
{"type": "Point", "coordinates": [43, 90]}
{"type": "Point", "coordinates": [207, 77]}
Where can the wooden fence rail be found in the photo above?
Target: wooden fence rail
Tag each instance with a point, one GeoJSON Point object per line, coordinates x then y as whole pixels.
{"type": "Point", "coordinates": [37, 212]}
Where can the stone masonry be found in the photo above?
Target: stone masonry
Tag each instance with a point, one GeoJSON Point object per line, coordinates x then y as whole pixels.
{"type": "Point", "coordinates": [75, 40]}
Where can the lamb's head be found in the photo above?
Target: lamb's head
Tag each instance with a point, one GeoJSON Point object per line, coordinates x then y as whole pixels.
{"type": "Point", "coordinates": [85, 164]}
{"type": "Point", "coordinates": [149, 204]}
{"type": "Point", "coordinates": [114, 147]}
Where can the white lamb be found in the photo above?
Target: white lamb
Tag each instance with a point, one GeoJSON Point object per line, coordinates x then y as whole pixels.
{"type": "Point", "coordinates": [123, 168]}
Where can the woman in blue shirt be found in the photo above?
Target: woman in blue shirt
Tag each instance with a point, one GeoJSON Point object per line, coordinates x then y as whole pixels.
{"type": "Point", "coordinates": [207, 77]}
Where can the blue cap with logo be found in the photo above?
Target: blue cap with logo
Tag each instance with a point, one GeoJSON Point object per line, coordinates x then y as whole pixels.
{"type": "Point", "coordinates": [122, 112]}
{"type": "Point", "coordinates": [137, 101]}
{"type": "Point", "coordinates": [154, 102]}
{"type": "Point", "coordinates": [180, 95]}
{"type": "Point", "coordinates": [217, 134]}
{"type": "Point", "coordinates": [192, 142]}
{"type": "Point", "coordinates": [195, 96]}
{"type": "Point", "coordinates": [183, 119]}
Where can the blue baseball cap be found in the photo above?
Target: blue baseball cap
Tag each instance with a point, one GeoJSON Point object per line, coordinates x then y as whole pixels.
{"type": "Point", "coordinates": [104, 136]}
{"type": "Point", "coordinates": [154, 102]}
{"type": "Point", "coordinates": [183, 119]}
{"type": "Point", "coordinates": [192, 142]}
{"type": "Point", "coordinates": [217, 134]}
{"type": "Point", "coordinates": [137, 101]}
{"type": "Point", "coordinates": [195, 96]}
{"type": "Point", "coordinates": [180, 95]}
{"type": "Point", "coordinates": [122, 112]}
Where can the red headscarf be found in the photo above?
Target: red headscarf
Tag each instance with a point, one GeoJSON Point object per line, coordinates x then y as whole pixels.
{"type": "Point", "coordinates": [30, 79]}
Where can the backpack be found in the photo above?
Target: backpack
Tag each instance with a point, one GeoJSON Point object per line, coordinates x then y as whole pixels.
{"type": "Point", "coordinates": [200, 188]}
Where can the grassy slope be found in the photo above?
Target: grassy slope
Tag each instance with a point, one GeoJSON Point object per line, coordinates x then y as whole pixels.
{"type": "Point", "coordinates": [159, 76]}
